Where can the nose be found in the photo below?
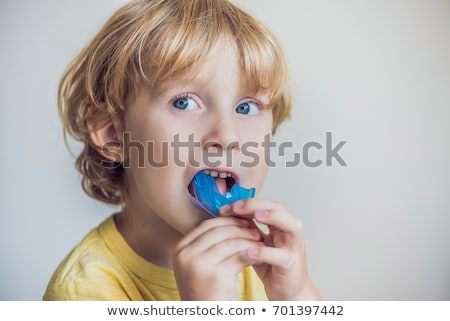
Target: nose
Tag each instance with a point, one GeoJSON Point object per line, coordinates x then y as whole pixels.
{"type": "Point", "coordinates": [223, 134]}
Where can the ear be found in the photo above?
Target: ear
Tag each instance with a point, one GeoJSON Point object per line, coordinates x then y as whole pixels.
{"type": "Point", "coordinates": [107, 138]}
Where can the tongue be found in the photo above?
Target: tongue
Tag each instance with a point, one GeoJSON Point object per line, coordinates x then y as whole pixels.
{"type": "Point", "coordinates": [221, 184]}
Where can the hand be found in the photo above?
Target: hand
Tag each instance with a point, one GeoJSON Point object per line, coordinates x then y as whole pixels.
{"type": "Point", "coordinates": [207, 261]}
{"type": "Point", "coordinates": [280, 258]}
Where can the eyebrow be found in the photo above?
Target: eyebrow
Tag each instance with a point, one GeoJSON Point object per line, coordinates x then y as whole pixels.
{"type": "Point", "coordinates": [166, 86]}
{"type": "Point", "coordinates": [182, 82]}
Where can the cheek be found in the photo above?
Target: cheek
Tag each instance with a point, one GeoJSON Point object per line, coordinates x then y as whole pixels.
{"type": "Point", "coordinates": [257, 174]}
{"type": "Point", "coordinates": [149, 145]}
{"type": "Point", "coordinates": [257, 127]}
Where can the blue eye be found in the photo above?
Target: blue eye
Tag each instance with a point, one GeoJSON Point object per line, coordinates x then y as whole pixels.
{"type": "Point", "coordinates": [185, 103]}
{"type": "Point", "coordinates": [247, 109]}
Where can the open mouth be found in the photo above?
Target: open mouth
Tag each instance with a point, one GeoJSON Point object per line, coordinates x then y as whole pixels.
{"type": "Point", "coordinates": [212, 189]}
{"type": "Point", "coordinates": [224, 181]}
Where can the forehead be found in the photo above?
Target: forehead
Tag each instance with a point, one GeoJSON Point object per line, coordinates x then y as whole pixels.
{"type": "Point", "coordinates": [221, 61]}
{"type": "Point", "coordinates": [221, 67]}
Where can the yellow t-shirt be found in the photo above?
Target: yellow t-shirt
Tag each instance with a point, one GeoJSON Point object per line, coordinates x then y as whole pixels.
{"type": "Point", "coordinates": [104, 267]}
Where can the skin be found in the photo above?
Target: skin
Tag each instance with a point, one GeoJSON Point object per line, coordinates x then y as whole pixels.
{"type": "Point", "coordinates": [162, 223]}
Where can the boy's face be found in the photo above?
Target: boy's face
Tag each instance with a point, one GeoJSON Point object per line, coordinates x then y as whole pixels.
{"type": "Point", "coordinates": [188, 124]}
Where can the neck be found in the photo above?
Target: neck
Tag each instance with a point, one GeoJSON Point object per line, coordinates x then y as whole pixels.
{"type": "Point", "coordinates": [149, 236]}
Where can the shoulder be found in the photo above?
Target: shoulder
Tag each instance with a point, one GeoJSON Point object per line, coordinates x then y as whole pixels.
{"type": "Point", "coordinates": [89, 271]}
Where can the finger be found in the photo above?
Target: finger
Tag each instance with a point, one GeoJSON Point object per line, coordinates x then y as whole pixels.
{"type": "Point", "coordinates": [208, 225]}
{"type": "Point", "coordinates": [233, 256]}
{"type": "Point", "coordinates": [280, 220]}
{"type": "Point", "coordinates": [275, 257]}
{"type": "Point", "coordinates": [246, 208]}
{"type": "Point", "coordinates": [266, 212]}
{"type": "Point", "coordinates": [223, 235]}
{"type": "Point", "coordinates": [262, 228]}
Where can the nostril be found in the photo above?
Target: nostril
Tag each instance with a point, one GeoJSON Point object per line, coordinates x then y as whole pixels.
{"type": "Point", "coordinates": [213, 147]}
{"type": "Point", "coordinates": [223, 134]}
{"type": "Point", "coordinates": [234, 145]}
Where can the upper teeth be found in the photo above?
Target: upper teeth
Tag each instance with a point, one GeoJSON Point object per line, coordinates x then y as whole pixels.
{"type": "Point", "coordinates": [217, 174]}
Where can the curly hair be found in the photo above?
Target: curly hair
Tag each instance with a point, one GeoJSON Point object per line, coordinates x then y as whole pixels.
{"type": "Point", "coordinates": [147, 42]}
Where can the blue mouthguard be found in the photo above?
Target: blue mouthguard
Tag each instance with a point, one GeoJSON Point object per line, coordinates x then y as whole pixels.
{"type": "Point", "coordinates": [208, 196]}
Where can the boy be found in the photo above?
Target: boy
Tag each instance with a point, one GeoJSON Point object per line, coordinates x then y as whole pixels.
{"type": "Point", "coordinates": [168, 89]}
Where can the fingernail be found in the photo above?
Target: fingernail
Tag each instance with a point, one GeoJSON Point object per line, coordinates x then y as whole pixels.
{"type": "Point", "coordinates": [253, 252]}
{"type": "Point", "coordinates": [261, 213]}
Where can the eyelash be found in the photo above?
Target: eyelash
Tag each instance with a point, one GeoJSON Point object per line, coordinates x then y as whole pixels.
{"type": "Point", "coordinates": [180, 96]}
{"type": "Point", "coordinates": [188, 95]}
{"type": "Point", "coordinates": [256, 102]}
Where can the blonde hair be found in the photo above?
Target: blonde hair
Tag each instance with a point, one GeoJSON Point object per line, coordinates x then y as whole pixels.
{"type": "Point", "coordinates": [148, 41]}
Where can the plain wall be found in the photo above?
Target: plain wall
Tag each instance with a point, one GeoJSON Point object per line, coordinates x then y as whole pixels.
{"type": "Point", "coordinates": [375, 74]}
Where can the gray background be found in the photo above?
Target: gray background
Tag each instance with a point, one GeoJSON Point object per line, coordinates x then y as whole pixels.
{"type": "Point", "coordinates": [374, 73]}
